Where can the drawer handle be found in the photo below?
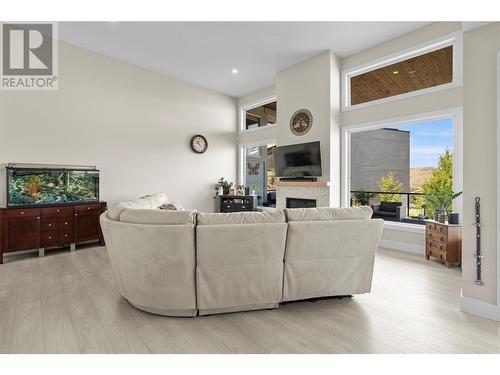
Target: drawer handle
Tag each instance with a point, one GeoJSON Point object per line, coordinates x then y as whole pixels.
{"type": "Point", "coordinates": [76, 214]}
{"type": "Point", "coordinates": [50, 237]}
{"type": "Point", "coordinates": [58, 210]}
{"type": "Point", "coordinates": [38, 217]}
{"type": "Point", "coordinates": [65, 235]}
{"type": "Point", "coordinates": [88, 208]}
{"type": "Point", "coordinates": [22, 212]}
{"type": "Point", "coordinates": [65, 223]}
{"type": "Point", "coordinates": [50, 225]}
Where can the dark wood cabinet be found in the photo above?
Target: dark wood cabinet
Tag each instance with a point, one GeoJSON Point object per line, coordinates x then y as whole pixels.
{"type": "Point", "coordinates": [21, 233]}
{"type": "Point", "coordinates": [47, 227]}
{"type": "Point", "coordinates": [236, 203]}
{"type": "Point", "coordinates": [86, 223]}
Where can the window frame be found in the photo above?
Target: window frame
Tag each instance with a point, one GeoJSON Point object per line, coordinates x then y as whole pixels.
{"type": "Point", "coordinates": [454, 39]}
{"type": "Point", "coordinates": [252, 105]}
{"type": "Point", "coordinates": [456, 114]}
{"type": "Point", "coordinates": [242, 155]}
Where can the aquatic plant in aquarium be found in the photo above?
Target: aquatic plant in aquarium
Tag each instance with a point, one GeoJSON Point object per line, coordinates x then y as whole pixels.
{"type": "Point", "coordinates": [26, 186]}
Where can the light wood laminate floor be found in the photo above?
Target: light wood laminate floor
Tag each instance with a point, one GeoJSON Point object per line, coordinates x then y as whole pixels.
{"type": "Point", "coordinates": [66, 303]}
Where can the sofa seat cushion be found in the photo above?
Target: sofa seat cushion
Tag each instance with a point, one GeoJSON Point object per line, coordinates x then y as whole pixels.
{"type": "Point", "coordinates": [161, 217]}
{"type": "Point", "coordinates": [328, 213]}
{"type": "Point", "coordinates": [148, 202]}
{"type": "Point", "coordinates": [240, 218]}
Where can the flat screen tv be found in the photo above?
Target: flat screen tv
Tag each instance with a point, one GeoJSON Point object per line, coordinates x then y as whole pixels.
{"type": "Point", "coordinates": [301, 160]}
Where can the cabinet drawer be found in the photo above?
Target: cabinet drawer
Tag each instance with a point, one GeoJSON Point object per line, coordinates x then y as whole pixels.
{"type": "Point", "coordinates": [441, 229]}
{"type": "Point", "coordinates": [437, 245]}
{"type": "Point", "coordinates": [436, 236]}
{"type": "Point", "coordinates": [65, 236]}
{"type": "Point", "coordinates": [65, 224]}
{"type": "Point", "coordinates": [436, 253]}
{"type": "Point", "coordinates": [20, 212]}
{"type": "Point", "coordinates": [49, 225]}
{"type": "Point", "coordinates": [56, 212]}
{"type": "Point", "coordinates": [236, 208]}
{"type": "Point", "coordinates": [87, 209]}
{"type": "Point", "coordinates": [430, 226]}
{"type": "Point", "coordinates": [49, 239]}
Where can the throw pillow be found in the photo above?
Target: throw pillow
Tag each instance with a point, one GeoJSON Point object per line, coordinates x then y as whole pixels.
{"type": "Point", "coordinates": [171, 206]}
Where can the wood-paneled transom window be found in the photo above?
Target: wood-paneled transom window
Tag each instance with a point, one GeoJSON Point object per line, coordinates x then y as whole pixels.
{"type": "Point", "coordinates": [428, 70]}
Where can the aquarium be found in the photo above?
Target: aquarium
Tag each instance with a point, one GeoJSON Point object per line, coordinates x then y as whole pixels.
{"type": "Point", "coordinates": [45, 186]}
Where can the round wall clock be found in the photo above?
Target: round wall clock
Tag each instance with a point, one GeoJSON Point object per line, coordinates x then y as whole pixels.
{"type": "Point", "coordinates": [199, 144]}
{"type": "Point", "coordinates": [301, 122]}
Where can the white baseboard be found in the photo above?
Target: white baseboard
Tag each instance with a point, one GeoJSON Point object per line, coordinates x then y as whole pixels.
{"type": "Point", "coordinates": [403, 246]}
{"type": "Point", "coordinates": [479, 308]}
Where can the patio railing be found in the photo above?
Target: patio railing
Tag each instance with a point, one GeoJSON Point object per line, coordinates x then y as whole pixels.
{"type": "Point", "coordinates": [413, 202]}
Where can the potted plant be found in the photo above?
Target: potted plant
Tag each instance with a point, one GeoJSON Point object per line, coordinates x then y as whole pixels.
{"type": "Point", "coordinates": [363, 198]}
{"type": "Point", "coordinates": [224, 184]}
{"type": "Point", "coordinates": [254, 190]}
{"type": "Point", "coordinates": [240, 190]}
{"type": "Point", "coordinates": [440, 202]}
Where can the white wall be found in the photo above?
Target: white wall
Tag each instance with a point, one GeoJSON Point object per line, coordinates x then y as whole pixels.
{"type": "Point", "coordinates": [314, 85]}
{"type": "Point", "coordinates": [480, 111]}
{"type": "Point", "coordinates": [134, 124]}
{"type": "Point", "coordinates": [478, 98]}
{"type": "Point", "coordinates": [431, 102]}
{"type": "Point", "coordinates": [306, 85]}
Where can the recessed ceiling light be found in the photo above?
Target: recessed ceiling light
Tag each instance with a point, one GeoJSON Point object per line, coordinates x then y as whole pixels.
{"type": "Point", "coordinates": [395, 72]}
{"type": "Point", "coordinates": [234, 71]}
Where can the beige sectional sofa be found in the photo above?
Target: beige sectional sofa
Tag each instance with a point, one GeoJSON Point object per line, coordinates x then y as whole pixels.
{"type": "Point", "coordinates": [181, 263]}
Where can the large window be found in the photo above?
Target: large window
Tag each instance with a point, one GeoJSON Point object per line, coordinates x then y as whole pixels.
{"type": "Point", "coordinates": [400, 168]}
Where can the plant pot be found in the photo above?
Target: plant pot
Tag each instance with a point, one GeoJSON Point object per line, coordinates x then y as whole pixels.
{"type": "Point", "coordinates": [225, 191]}
{"type": "Point", "coordinates": [454, 218]}
{"type": "Point", "coordinates": [440, 216]}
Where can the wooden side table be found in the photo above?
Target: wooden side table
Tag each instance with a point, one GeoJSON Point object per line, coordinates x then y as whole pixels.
{"type": "Point", "coordinates": [444, 242]}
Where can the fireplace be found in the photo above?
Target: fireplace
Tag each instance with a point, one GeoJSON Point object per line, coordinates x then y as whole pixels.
{"type": "Point", "coordinates": [300, 203]}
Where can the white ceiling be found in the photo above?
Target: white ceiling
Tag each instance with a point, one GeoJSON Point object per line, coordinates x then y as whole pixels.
{"type": "Point", "coordinates": [204, 53]}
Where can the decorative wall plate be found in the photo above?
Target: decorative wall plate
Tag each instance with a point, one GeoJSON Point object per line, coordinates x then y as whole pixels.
{"type": "Point", "coordinates": [301, 122]}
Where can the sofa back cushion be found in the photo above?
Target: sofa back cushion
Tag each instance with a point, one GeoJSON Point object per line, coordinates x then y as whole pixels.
{"type": "Point", "coordinates": [389, 206]}
{"type": "Point", "coordinates": [240, 218]}
{"type": "Point", "coordinates": [161, 217]}
{"type": "Point", "coordinates": [239, 261]}
{"type": "Point", "coordinates": [328, 213]}
{"type": "Point", "coordinates": [328, 258]}
{"type": "Point", "coordinates": [148, 202]}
